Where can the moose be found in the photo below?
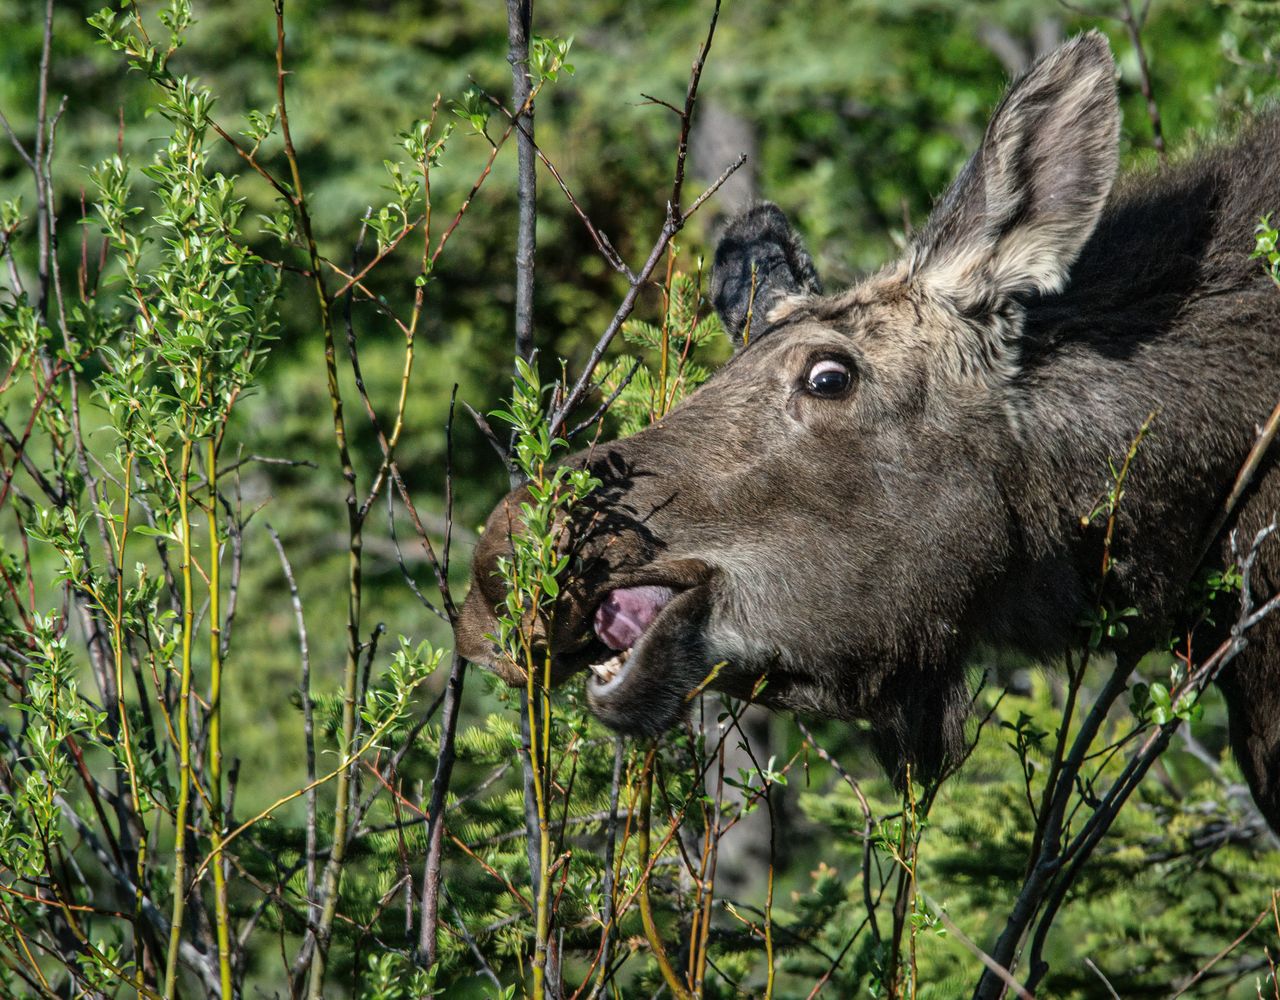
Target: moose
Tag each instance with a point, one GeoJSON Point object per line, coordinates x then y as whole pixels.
{"type": "Point", "coordinates": [884, 480]}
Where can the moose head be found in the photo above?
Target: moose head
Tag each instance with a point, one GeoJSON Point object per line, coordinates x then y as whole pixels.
{"type": "Point", "coordinates": [826, 524]}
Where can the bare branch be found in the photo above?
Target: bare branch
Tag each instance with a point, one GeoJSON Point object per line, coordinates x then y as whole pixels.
{"type": "Point", "coordinates": [597, 237]}
{"type": "Point", "coordinates": [612, 398]}
{"type": "Point", "coordinates": [995, 967]}
{"type": "Point", "coordinates": [1133, 24]}
{"type": "Point", "coordinates": [519, 21]}
{"type": "Point", "coordinates": [431, 877]}
{"type": "Point", "coordinates": [1111, 990]}
{"type": "Point", "coordinates": [1267, 911]}
{"type": "Point", "coordinates": [1266, 437]}
{"type": "Point", "coordinates": [675, 221]}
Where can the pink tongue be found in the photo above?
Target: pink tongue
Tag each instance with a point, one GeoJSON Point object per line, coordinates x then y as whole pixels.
{"type": "Point", "coordinates": [624, 615]}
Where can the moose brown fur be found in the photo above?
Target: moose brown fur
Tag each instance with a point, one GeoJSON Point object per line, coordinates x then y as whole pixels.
{"type": "Point", "coordinates": [883, 480]}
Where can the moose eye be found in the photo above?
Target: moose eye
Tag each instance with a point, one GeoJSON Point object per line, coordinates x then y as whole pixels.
{"type": "Point", "coordinates": [828, 378]}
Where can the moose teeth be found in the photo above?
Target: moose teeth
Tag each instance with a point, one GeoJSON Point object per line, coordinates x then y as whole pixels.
{"type": "Point", "coordinates": [608, 670]}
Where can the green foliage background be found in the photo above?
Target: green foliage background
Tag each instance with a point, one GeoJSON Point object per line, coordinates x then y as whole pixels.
{"type": "Point", "coordinates": [862, 113]}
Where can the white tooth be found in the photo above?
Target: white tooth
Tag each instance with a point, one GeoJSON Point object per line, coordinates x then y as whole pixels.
{"type": "Point", "coordinates": [609, 669]}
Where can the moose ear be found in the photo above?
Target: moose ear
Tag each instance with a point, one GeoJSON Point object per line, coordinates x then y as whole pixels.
{"type": "Point", "coordinates": [760, 261]}
{"type": "Point", "coordinates": [1023, 207]}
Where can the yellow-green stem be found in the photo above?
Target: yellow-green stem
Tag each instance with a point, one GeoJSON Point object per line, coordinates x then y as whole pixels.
{"type": "Point", "coordinates": [544, 814]}
{"type": "Point", "coordinates": [537, 742]}
{"type": "Point", "coordinates": [342, 793]}
{"type": "Point", "coordinates": [660, 410]}
{"type": "Point", "coordinates": [338, 848]}
{"type": "Point", "coordinates": [768, 924]}
{"type": "Point", "coordinates": [16, 930]}
{"type": "Point", "coordinates": [360, 751]}
{"type": "Point", "coordinates": [184, 733]}
{"type": "Point", "coordinates": [914, 848]}
{"type": "Point", "coordinates": [126, 738]}
{"type": "Point", "coordinates": [701, 929]}
{"type": "Point", "coordinates": [406, 375]}
{"type": "Point", "coordinates": [678, 989]}
{"type": "Point", "coordinates": [222, 919]}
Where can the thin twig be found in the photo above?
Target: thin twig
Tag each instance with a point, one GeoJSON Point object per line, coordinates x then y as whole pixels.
{"type": "Point", "coordinates": [1134, 25]}
{"type": "Point", "coordinates": [610, 846]}
{"type": "Point", "coordinates": [644, 858]}
{"type": "Point", "coordinates": [317, 938]}
{"type": "Point", "coordinates": [609, 400]}
{"type": "Point", "coordinates": [404, 569]}
{"type": "Point", "coordinates": [1081, 848]}
{"type": "Point", "coordinates": [1204, 969]}
{"type": "Point", "coordinates": [676, 217]}
{"type": "Point", "coordinates": [431, 875]}
{"type": "Point", "coordinates": [674, 223]}
{"type": "Point", "coordinates": [487, 430]}
{"type": "Point", "coordinates": [1111, 990]}
{"type": "Point", "coordinates": [1005, 975]}
{"type": "Point", "coordinates": [519, 26]}
{"type": "Point", "coordinates": [307, 724]}
{"type": "Point", "coordinates": [481, 963]}
{"type": "Point", "coordinates": [601, 241]}
{"type": "Point", "coordinates": [1266, 437]}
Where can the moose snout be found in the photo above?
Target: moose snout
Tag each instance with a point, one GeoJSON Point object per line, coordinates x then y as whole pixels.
{"type": "Point", "coordinates": [477, 626]}
{"type": "Point", "coordinates": [474, 632]}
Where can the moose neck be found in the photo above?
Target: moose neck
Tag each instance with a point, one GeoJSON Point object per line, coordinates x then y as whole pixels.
{"type": "Point", "coordinates": [1168, 324]}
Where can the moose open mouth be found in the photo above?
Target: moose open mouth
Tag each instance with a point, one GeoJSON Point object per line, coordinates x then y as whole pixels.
{"type": "Point", "coordinates": [648, 650]}
{"type": "Point", "coordinates": [621, 620]}
{"type": "Point", "coordinates": [638, 631]}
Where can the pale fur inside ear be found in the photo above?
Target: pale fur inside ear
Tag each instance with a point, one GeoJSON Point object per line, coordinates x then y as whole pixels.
{"type": "Point", "coordinates": [783, 308]}
{"type": "Point", "coordinates": [1024, 206]}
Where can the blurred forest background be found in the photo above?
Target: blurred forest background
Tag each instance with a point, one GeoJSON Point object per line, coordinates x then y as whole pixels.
{"type": "Point", "coordinates": [854, 115]}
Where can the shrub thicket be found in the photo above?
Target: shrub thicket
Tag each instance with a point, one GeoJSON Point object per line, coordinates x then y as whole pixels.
{"type": "Point", "coordinates": [237, 348]}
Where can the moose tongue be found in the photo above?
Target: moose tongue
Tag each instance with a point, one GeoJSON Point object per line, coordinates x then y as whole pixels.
{"type": "Point", "coordinates": [624, 615]}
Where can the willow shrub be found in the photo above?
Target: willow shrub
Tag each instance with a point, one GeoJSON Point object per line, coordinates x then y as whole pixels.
{"type": "Point", "coordinates": [570, 862]}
